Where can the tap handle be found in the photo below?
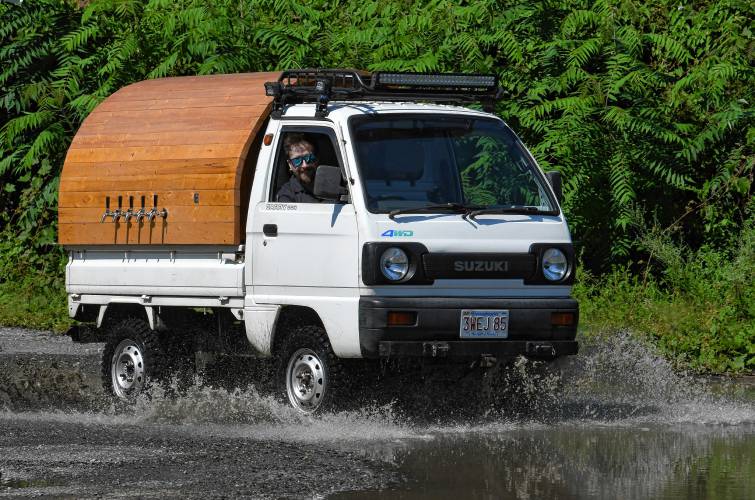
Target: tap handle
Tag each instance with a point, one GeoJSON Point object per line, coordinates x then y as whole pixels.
{"type": "Point", "coordinates": [118, 212]}
{"type": "Point", "coordinates": [107, 212]}
{"type": "Point", "coordinates": [141, 213]}
{"type": "Point", "coordinates": [153, 212]}
{"type": "Point", "coordinates": [130, 212]}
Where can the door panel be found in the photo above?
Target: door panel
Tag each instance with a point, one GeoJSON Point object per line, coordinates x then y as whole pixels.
{"type": "Point", "coordinates": [296, 245]}
{"type": "Point", "coordinates": [314, 245]}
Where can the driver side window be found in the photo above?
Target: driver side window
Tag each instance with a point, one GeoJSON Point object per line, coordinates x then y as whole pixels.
{"type": "Point", "coordinates": [300, 152]}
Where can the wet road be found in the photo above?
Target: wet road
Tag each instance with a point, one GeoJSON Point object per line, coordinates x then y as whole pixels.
{"type": "Point", "coordinates": [86, 456]}
{"type": "Point", "coordinates": [617, 424]}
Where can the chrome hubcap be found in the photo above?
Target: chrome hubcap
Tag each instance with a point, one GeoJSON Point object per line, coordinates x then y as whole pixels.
{"type": "Point", "coordinates": [305, 380]}
{"type": "Point", "coordinates": [127, 370]}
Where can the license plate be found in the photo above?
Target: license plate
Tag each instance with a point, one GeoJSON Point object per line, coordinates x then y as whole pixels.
{"type": "Point", "coordinates": [484, 324]}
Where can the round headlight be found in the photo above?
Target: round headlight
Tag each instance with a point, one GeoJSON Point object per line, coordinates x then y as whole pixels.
{"type": "Point", "coordinates": [555, 264]}
{"type": "Point", "coordinates": [394, 264]}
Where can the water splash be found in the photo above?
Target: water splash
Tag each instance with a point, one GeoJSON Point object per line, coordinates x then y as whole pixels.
{"type": "Point", "coordinates": [249, 413]}
{"type": "Point", "coordinates": [615, 381]}
{"type": "Point", "coordinates": [622, 380]}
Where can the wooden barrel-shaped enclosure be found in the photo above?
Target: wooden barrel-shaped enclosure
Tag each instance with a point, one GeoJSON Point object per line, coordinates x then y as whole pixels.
{"type": "Point", "coordinates": [180, 148]}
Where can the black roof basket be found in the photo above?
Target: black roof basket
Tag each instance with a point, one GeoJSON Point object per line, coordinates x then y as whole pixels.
{"type": "Point", "coordinates": [321, 86]}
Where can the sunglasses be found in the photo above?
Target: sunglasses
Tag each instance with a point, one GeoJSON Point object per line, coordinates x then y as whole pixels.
{"type": "Point", "coordinates": [299, 160]}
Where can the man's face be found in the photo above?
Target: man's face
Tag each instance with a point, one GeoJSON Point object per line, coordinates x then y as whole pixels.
{"type": "Point", "coordinates": [297, 162]}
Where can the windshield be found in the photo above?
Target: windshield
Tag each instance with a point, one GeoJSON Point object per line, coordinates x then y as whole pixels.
{"type": "Point", "coordinates": [416, 161]}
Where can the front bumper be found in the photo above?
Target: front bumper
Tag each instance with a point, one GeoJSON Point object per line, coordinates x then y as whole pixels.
{"type": "Point", "coordinates": [436, 331]}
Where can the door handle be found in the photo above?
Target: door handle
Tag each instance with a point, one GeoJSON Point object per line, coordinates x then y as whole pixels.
{"type": "Point", "coordinates": [270, 229]}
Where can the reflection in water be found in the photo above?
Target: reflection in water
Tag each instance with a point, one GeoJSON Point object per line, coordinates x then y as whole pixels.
{"type": "Point", "coordinates": [579, 462]}
{"type": "Point", "coordinates": [622, 424]}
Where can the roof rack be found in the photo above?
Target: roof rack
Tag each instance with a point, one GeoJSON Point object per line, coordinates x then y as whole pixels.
{"type": "Point", "coordinates": [324, 85]}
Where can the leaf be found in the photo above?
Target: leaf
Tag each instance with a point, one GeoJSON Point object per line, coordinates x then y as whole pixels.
{"type": "Point", "coordinates": [588, 49]}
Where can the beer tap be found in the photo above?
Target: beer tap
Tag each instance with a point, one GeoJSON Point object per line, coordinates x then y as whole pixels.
{"type": "Point", "coordinates": [130, 212]}
{"type": "Point", "coordinates": [118, 212]}
{"type": "Point", "coordinates": [153, 212]}
{"type": "Point", "coordinates": [108, 212]}
{"type": "Point", "coordinates": [141, 213]}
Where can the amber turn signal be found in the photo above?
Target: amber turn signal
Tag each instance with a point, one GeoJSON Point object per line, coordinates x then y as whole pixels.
{"type": "Point", "coordinates": [562, 319]}
{"type": "Point", "coordinates": [402, 318]}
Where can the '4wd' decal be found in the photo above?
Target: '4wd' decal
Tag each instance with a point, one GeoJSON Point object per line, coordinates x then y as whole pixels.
{"type": "Point", "coordinates": [395, 233]}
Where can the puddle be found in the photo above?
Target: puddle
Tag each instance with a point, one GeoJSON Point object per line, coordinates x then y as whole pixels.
{"type": "Point", "coordinates": [576, 462]}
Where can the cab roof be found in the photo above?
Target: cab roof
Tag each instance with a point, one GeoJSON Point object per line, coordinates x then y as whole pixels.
{"type": "Point", "coordinates": [341, 111]}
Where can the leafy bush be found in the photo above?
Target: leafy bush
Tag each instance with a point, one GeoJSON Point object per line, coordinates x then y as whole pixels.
{"type": "Point", "coordinates": [32, 291]}
{"type": "Point", "coordinates": [646, 107]}
{"type": "Point", "coordinates": [643, 106]}
{"type": "Point", "coordinates": [699, 308]}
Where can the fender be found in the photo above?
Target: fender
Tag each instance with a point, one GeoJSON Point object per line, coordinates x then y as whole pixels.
{"type": "Point", "coordinates": [152, 318]}
{"type": "Point", "coordinates": [259, 323]}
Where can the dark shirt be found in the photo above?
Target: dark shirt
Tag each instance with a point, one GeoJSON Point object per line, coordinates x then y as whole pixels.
{"type": "Point", "coordinates": [294, 192]}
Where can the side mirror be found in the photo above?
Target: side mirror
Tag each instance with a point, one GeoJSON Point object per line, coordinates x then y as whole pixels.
{"type": "Point", "coordinates": [328, 183]}
{"type": "Point", "coordinates": [554, 179]}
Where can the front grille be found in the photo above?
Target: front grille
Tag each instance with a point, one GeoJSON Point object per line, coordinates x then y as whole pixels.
{"type": "Point", "coordinates": [479, 265]}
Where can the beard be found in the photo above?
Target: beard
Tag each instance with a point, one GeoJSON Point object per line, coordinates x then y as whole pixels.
{"type": "Point", "coordinates": [307, 175]}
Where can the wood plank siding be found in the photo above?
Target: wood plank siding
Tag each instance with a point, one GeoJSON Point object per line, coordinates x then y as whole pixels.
{"type": "Point", "coordinates": [185, 140]}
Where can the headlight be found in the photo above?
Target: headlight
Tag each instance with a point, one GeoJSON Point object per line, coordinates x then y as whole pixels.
{"type": "Point", "coordinates": [394, 264]}
{"type": "Point", "coordinates": [555, 264]}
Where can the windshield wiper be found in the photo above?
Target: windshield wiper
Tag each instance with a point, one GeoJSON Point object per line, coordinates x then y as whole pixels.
{"type": "Point", "coordinates": [455, 207]}
{"type": "Point", "coordinates": [523, 210]}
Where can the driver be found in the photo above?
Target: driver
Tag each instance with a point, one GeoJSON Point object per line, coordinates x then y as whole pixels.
{"type": "Point", "coordinates": [302, 162]}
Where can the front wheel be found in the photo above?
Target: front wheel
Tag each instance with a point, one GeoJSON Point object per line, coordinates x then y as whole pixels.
{"type": "Point", "coordinates": [308, 371]}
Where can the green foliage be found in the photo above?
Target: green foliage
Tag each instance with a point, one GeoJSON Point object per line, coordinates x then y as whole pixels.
{"type": "Point", "coordinates": [699, 307]}
{"type": "Point", "coordinates": [33, 305]}
{"type": "Point", "coordinates": [32, 292]}
{"type": "Point", "coordinates": [495, 173]}
{"type": "Point", "coordinates": [645, 107]}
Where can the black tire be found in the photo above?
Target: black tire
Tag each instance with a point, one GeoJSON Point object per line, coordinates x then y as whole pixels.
{"type": "Point", "coordinates": [308, 374]}
{"type": "Point", "coordinates": [132, 360]}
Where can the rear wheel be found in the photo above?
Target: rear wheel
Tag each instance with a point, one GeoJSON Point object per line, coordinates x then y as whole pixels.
{"type": "Point", "coordinates": [308, 373]}
{"type": "Point", "coordinates": [131, 360]}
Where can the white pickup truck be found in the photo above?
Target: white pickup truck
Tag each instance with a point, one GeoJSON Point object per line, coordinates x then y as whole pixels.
{"type": "Point", "coordinates": [434, 232]}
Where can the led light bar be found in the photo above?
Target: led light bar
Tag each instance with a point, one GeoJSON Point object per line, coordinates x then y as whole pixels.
{"type": "Point", "coordinates": [324, 85]}
{"type": "Point", "coordinates": [435, 80]}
